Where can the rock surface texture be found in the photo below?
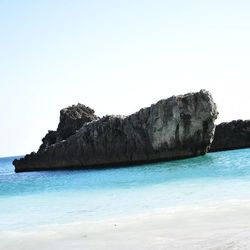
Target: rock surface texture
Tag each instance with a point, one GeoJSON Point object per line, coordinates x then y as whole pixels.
{"type": "Point", "coordinates": [177, 127]}
{"type": "Point", "coordinates": [71, 119]}
{"type": "Point", "coordinates": [231, 135]}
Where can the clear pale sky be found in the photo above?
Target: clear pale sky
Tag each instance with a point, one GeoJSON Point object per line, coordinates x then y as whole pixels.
{"type": "Point", "coordinates": [116, 57]}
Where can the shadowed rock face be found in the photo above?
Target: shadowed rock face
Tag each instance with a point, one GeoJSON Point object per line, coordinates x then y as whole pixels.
{"type": "Point", "coordinates": [231, 135]}
{"type": "Point", "coordinates": [71, 119]}
{"type": "Point", "coordinates": [178, 127]}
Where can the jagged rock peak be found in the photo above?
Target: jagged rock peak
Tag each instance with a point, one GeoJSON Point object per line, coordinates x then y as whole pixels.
{"type": "Point", "coordinates": [72, 119]}
{"type": "Point", "coordinates": [74, 112]}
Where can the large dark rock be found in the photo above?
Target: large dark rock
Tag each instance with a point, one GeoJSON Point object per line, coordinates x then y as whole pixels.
{"type": "Point", "coordinates": [231, 135]}
{"type": "Point", "coordinates": [178, 127]}
{"type": "Point", "coordinates": [71, 119]}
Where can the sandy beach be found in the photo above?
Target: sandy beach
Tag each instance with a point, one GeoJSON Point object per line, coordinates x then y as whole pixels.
{"type": "Point", "coordinates": [221, 227]}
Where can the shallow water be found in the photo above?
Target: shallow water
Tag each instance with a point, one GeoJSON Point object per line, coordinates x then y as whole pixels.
{"type": "Point", "coordinates": [36, 198]}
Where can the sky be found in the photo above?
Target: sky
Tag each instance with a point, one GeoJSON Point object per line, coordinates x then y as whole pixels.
{"type": "Point", "coordinates": [116, 57]}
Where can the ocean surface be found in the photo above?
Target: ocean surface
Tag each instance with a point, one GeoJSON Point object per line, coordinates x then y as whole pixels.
{"type": "Point", "coordinates": [39, 198]}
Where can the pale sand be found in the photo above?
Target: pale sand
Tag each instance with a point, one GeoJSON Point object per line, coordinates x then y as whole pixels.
{"type": "Point", "coordinates": [225, 227]}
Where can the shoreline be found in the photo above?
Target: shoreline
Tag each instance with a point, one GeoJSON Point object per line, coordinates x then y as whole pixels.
{"type": "Point", "coordinates": [219, 227]}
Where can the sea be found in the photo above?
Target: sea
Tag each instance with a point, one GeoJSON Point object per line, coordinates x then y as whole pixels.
{"type": "Point", "coordinates": [33, 199]}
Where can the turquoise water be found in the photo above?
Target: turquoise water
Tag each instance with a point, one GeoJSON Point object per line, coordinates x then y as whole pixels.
{"type": "Point", "coordinates": [37, 198]}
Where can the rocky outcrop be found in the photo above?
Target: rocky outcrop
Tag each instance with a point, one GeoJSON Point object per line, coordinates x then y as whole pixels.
{"type": "Point", "coordinates": [180, 126]}
{"type": "Point", "coordinates": [71, 119]}
{"type": "Point", "coordinates": [231, 135]}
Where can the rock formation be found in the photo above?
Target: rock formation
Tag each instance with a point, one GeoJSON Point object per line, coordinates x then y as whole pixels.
{"type": "Point", "coordinates": [177, 127]}
{"type": "Point", "coordinates": [71, 119]}
{"type": "Point", "coordinates": [231, 135]}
